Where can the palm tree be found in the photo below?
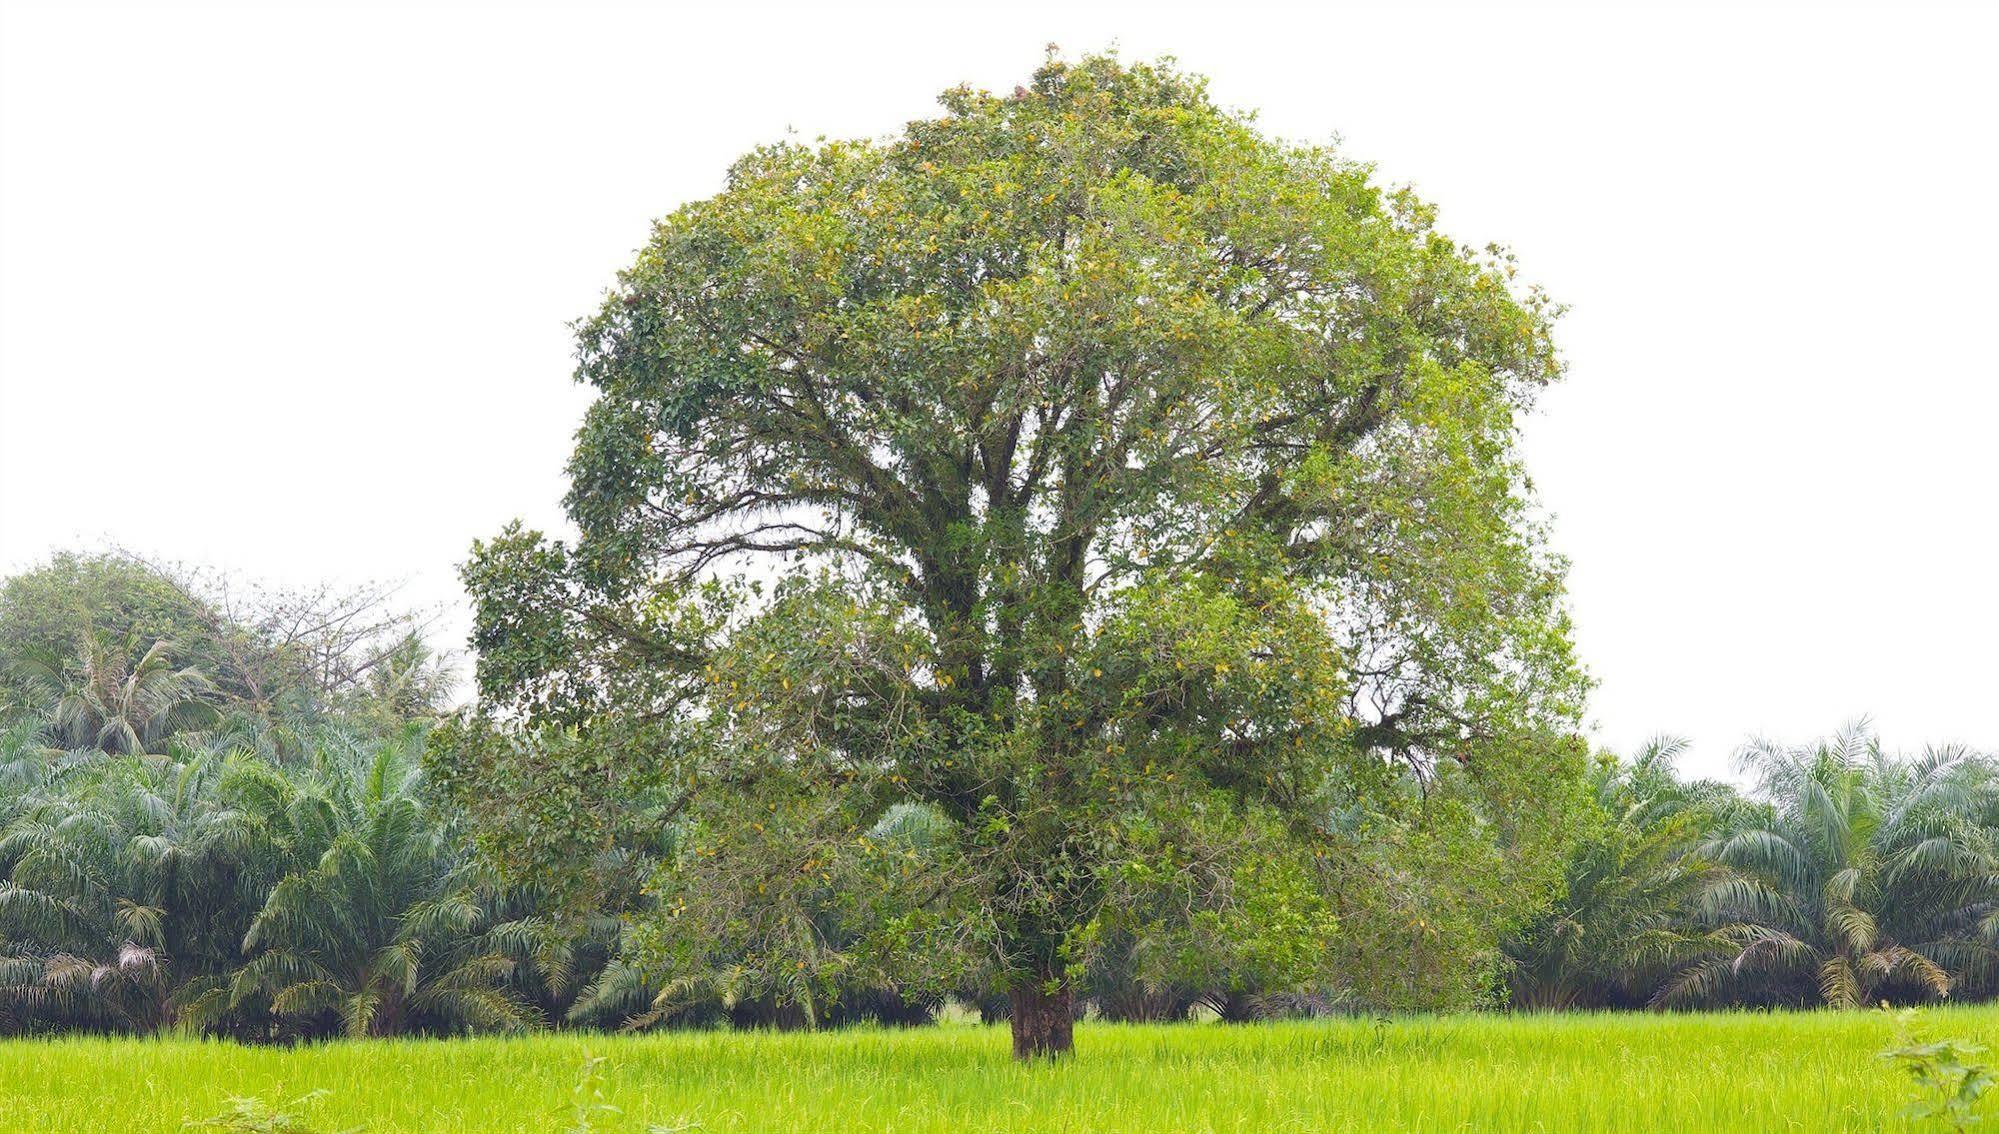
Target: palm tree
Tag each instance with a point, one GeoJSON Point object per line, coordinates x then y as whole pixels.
{"type": "Point", "coordinates": [1842, 885]}
{"type": "Point", "coordinates": [28, 766]}
{"type": "Point", "coordinates": [1944, 889]}
{"type": "Point", "coordinates": [1624, 917]}
{"type": "Point", "coordinates": [126, 886]}
{"type": "Point", "coordinates": [408, 681]}
{"type": "Point", "coordinates": [106, 699]}
{"type": "Point", "coordinates": [84, 919]}
{"type": "Point", "coordinates": [385, 931]}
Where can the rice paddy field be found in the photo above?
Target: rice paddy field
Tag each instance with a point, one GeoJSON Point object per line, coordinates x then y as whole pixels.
{"type": "Point", "coordinates": [1736, 1072]}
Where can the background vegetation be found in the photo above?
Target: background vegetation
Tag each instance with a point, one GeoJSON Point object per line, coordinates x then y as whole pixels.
{"type": "Point", "coordinates": [233, 832]}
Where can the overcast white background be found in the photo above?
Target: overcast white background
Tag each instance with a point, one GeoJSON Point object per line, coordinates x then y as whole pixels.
{"type": "Point", "coordinates": [283, 289]}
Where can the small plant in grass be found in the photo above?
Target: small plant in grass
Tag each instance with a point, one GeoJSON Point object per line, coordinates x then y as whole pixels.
{"type": "Point", "coordinates": [252, 1115]}
{"type": "Point", "coordinates": [1949, 1076]}
{"type": "Point", "coordinates": [588, 1104]}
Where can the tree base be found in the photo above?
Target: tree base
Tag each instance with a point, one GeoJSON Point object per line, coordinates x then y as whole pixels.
{"type": "Point", "coordinates": [1043, 1022]}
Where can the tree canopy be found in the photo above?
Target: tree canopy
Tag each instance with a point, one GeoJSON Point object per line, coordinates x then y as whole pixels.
{"type": "Point", "coordinates": [1131, 494]}
{"type": "Point", "coordinates": [121, 651]}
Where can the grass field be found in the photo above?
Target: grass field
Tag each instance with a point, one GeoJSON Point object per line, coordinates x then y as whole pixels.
{"type": "Point", "coordinates": [1750, 1072]}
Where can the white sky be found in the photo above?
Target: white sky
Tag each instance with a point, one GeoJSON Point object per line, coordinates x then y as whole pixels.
{"type": "Point", "coordinates": [284, 288]}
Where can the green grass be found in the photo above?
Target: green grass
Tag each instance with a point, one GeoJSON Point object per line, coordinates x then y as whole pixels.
{"type": "Point", "coordinates": [1746, 1072]}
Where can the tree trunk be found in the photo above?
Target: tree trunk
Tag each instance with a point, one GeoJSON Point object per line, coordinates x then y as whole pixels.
{"type": "Point", "coordinates": [1043, 1021]}
{"type": "Point", "coordinates": [1237, 1007]}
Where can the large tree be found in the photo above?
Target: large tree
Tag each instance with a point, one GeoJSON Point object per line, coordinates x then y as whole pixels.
{"type": "Point", "coordinates": [1133, 491]}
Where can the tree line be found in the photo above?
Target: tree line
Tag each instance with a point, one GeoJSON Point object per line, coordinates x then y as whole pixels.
{"type": "Point", "coordinates": [184, 848]}
{"type": "Point", "coordinates": [1845, 876]}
